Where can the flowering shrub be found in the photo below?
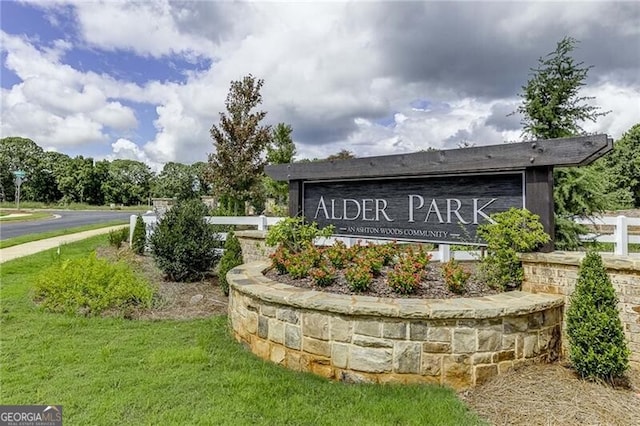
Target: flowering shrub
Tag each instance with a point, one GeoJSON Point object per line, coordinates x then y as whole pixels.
{"type": "Point", "coordinates": [298, 266]}
{"type": "Point", "coordinates": [358, 277]}
{"type": "Point", "coordinates": [455, 277]}
{"type": "Point", "coordinates": [323, 275]}
{"type": "Point", "coordinates": [406, 276]}
{"type": "Point", "coordinates": [279, 259]}
{"type": "Point", "coordinates": [337, 254]}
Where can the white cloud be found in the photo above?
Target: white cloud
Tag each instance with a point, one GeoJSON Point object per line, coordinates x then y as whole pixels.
{"type": "Point", "coordinates": [147, 28]}
{"type": "Point", "coordinates": [331, 70]}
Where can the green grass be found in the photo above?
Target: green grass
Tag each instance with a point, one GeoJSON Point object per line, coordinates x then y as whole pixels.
{"type": "Point", "coordinates": [10, 242]}
{"type": "Point", "coordinates": [70, 206]}
{"type": "Point", "coordinates": [113, 371]}
{"type": "Point", "coordinates": [32, 216]}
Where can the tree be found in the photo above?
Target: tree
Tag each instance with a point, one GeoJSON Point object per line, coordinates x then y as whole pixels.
{"type": "Point", "coordinates": [343, 154]}
{"type": "Point", "coordinates": [280, 151]}
{"type": "Point", "coordinates": [597, 345]}
{"type": "Point", "coordinates": [553, 108]}
{"type": "Point", "coordinates": [176, 180]}
{"type": "Point", "coordinates": [624, 163]}
{"type": "Point", "coordinates": [128, 182]}
{"type": "Point", "coordinates": [237, 164]}
{"type": "Point", "coordinates": [18, 153]}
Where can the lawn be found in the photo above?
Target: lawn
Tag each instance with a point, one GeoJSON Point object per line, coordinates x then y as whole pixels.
{"type": "Point", "coordinates": [69, 206]}
{"type": "Point", "coordinates": [30, 217]}
{"type": "Point", "coordinates": [115, 371]}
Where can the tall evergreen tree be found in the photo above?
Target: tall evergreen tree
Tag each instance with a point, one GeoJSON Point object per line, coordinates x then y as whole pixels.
{"type": "Point", "coordinates": [552, 107]}
{"type": "Point", "coordinates": [280, 151]}
{"type": "Point", "coordinates": [240, 140]}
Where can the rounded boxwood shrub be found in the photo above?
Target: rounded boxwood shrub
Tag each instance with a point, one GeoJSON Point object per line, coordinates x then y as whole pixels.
{"type": "Point", "coordinates": [231, 258]}
{"type": "Point", "coordinates": [183, 245]}
{"type": "Point", "coordinates": [597, 346]}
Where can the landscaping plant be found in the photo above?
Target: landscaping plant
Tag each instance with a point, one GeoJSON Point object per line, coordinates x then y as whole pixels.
{"type": "Point", "coordinates": [455, 276]}
{"type": "Point", "coordinates": [323, 275]}
{"type": "Point", "coordinates": [294, 234]}
{"type": "Point", "coordinates": [358, 277]}
{"type": "Point", "coordinates": [597, 346]}
{"type": "Point", "coordinates": [89, 286]}
{"type": "Point", "coordinates": [231, 258]}
{"type": "Point", "coordinates": [183, 245]}
{"type": "Point", "coordinates": [512, 232]}
{"type": "Point", "coordinates": [118, 236]}
{"type": "Point", "coordinates": [139, 238]}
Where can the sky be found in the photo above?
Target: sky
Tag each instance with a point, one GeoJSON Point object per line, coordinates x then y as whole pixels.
{"type": "Point", "coordinates": [146, 80]}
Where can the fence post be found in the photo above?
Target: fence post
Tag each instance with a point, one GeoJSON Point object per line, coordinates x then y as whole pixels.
{"type": "Point", "coordinates": [262, 223]}
{"type": "Point", "coordinates": [621, 237]}
{"type": "Point", "coordinates": [445, 252]}
{"type": "Point", "coordinates": [132, 226]}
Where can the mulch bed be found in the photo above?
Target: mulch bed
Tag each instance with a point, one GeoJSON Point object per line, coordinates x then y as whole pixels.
{"type": "Point", "coordinates": [173, 300]}
{"type": "Point", "coordinates": [552, 394]}
{"type": "Point", "coordinates": [433, 287]}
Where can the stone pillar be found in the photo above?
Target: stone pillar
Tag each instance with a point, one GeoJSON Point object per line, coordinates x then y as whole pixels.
{"type": "Point", "coordinates": [253, 246]}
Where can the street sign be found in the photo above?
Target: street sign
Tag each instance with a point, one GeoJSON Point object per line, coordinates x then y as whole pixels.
{"type": "Point", "coordinates": [20, 174]}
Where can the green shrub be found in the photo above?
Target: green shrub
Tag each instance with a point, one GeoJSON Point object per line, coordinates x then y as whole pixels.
{"type": "Point", "coordinates": [118, 236]}
{"type": "Point", "coordinates": [231, 258]}
{"type": "Point", "coordinates": [298, 265]}
{"type": "Point", "coordinates": [183, 245]}
{"type": "Point", "coordinates": [455, 276]}
{"type": "Point", "coordinates": [514, 231]}
{"type": "Point", "coordinates": [323, 275]}
{"type": "Point", "coordinates": [139, 238]}
{"type": "Point", "coordinates": [293, 233]}
{"type": "Point", "coordinates": [280, 259]}
{"type": "Point", "coordinates": [405, 277]}
{"type": "Point", "coordinates": [597, 343]}
{"type": "Point", "coordinates": [358, 277]}
{"type": "Point", "coordinates": [89, 286]}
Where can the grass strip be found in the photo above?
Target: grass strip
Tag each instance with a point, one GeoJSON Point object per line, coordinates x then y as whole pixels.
{"type": "Point", "coordinates": [10, 242]}
{"type": "Point", "coordinates": [30, 217]}
{"type": "Point", "coordinates": [108, 371]}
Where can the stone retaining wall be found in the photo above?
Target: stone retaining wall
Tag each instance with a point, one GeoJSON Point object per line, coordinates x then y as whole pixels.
{"type": "Point", "coordinates": [253, 246]}
{"type": "Point", "coordinates": [556, 273]}
{"type": "Point", "coordinates": [454, 342]}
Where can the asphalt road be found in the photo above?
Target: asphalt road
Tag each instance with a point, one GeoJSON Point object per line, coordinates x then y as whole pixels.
{"type": "Point", "coordinates": [67, 219]}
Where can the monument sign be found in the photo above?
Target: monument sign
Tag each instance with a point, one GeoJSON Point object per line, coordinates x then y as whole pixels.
{"type": "Point", "coordinates": [434, 196]}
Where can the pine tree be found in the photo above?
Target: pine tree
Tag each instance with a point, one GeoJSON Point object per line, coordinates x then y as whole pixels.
{"type": "Point", "coordinates": [597, 343]}
{"type": "Point", "coordinates": [552, 107]}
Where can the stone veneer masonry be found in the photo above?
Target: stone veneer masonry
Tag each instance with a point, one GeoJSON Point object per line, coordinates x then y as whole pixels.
{"type": "Point", "coordinates": [253, 246]}
{"type": "Point", "coordinates": [556, 273]}
{"type": "Point", "coordinates": [455, 342]}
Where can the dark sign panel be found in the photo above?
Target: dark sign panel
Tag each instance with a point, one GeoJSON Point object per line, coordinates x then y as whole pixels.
{"type": "Point", "coordinates": [431, 209]}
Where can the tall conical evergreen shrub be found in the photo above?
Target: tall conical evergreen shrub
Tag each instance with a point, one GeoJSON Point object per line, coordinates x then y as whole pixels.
{"type": "Point", "coordinates": [139, 237]}
{"type": "Point", "coordinates": [231, 258]}
{"type": "Point", "coordinates": [598, 348]}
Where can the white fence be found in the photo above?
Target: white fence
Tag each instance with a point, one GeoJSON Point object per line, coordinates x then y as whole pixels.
{"type": "Point", "coordinates": [260, 222]}
{"type": "Point", "coordinates": [620, 236]}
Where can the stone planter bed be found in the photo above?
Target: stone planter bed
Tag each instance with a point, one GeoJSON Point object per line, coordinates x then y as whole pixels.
{"type": "Point", "coordinates": [455, 342]}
